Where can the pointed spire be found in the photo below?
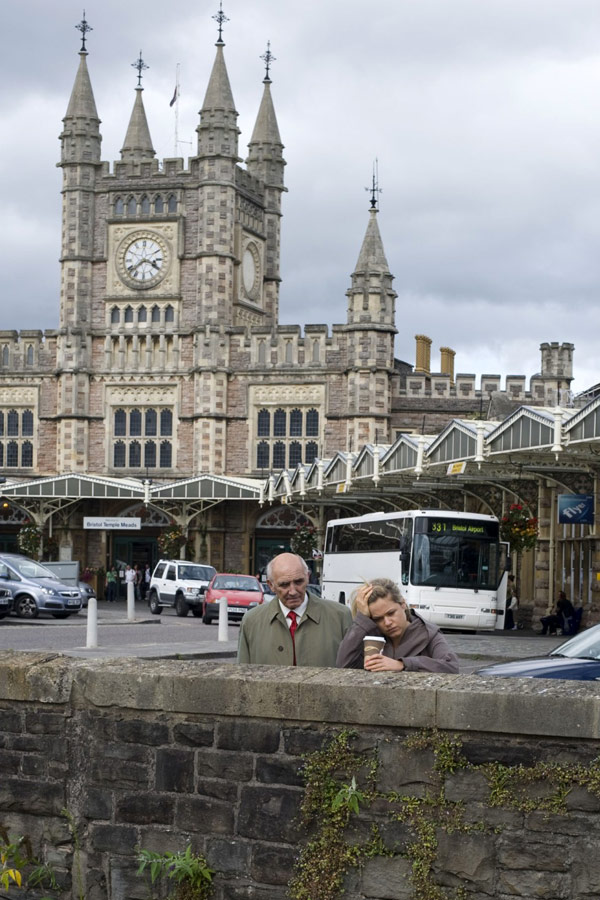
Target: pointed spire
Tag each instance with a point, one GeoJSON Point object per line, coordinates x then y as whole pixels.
{"type": "Point", "coordinates": [218, 93]}
{"type": "Point", "coordinates": [138, 143]}
{"type": "Point", "coordinates": [265, 157]}
{"type": "Point", "coordinates": [266, 129]}
{"type": "Point", "coordinates": [82, 103]}
{"type": "Point", "coordinates": [372, 255]}
{"type": "Point", "coordinates": [218, 131]}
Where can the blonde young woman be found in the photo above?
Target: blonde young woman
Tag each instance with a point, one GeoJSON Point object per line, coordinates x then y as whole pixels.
{"type": "Point", "coordinates": [411, 644]}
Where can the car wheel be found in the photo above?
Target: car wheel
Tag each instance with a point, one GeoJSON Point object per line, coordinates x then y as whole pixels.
{"type": "Point", "coordinates": [61, 615]}
{"type": "Point", "coordinates": [206, 619]}
{"type": "Point", "coordinates": [196, 612]}
{"type": "Point", "coordinates": [181, 607]}
{"type": "Point", "coordinates": [26, 607]}
{"type": "Point", "coordinates": [155, 607]}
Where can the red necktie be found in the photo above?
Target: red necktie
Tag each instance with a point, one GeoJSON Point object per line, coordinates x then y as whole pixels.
{"type": "Point", "coordinates": [292, 616]}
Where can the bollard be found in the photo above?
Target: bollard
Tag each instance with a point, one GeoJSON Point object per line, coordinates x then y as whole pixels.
{"type": "Point", "coordinates": [92, 623]}
{"type": "Point", "coordinates": [223, 634]}
{"type": "Point", "coordinates": [130, 601]}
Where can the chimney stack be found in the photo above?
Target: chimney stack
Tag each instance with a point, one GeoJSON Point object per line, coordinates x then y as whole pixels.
{"type": "Point", "coordinates": [423, 361]}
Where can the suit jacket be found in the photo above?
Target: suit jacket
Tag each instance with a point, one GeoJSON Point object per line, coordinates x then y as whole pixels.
{"type": "Point", "coordinates": [265, 635]}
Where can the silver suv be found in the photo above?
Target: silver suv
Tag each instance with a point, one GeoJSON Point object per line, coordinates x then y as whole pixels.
{"type": "Point", "coordinates": [35, 589]}
{"type": "Point", "coordinates": [180, 584]}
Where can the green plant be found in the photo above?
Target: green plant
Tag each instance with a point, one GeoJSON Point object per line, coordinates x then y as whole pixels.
{"type": "Point", "coordinates": [350, 796]}
{"type": "Point", "coordinates": [304, 541]}
{"type": "Point", "coordinates": [519, 529]}
{"type": "Point", "coordinates": [29, 539]}
{"type": "Point", "coordinates": [73, 831]}
{"type": "Point", "coordinates": [15, 854]}
{"type": "Point", "coordinates": [189, 871]}
{"type": "Point", "coordinates": [170, 542]}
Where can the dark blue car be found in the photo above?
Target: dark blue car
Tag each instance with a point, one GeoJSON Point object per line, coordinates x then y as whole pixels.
{"type": "Point", "coordinates": [577, 659]}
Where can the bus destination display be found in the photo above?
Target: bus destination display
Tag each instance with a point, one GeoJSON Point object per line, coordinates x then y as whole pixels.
{"type": "Point", "coordinates": [458, 527]}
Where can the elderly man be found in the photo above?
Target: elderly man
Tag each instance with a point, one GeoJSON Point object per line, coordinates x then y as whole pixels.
{"type": "Point", "coordinates": [295, 628]}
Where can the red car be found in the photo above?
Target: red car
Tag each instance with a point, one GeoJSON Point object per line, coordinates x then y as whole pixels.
{"type": "Point", "coordinates": [241, 591]}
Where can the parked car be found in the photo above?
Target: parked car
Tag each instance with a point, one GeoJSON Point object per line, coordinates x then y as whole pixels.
{"type": "Point", "coordinates": [577, 659]}
{"type": "Point", "coordinates": [180, 584]}
{"type": "Point", "coordinates": [5, 602]}
{"type": "Point", "coordinates": [86, 591]}
{"type": "Point", "coordinates": [242, 592]}
{"type": "Point", "coordinates": [35, 589]}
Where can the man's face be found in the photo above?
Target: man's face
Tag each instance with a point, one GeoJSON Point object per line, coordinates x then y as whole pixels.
{"type": "Point", "coordinates": [288, 580]}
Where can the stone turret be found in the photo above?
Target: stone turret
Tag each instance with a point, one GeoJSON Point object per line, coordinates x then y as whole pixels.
{"type": "Point", "coordinates": [218, 131]}
{"type": "Point", "coordinates": [265, 162]}
{"type": "Point", "coordinates": [371, 298]}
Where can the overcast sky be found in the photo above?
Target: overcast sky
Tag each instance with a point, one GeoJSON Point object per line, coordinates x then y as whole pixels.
{"type": "Point", "coordinates": [484, 116]}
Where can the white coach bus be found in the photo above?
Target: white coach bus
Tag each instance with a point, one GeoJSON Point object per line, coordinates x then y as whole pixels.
{"type": "Point", "coordinates": [450, 566]}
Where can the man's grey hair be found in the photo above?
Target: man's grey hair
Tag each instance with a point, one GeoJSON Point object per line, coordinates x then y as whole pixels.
{"type": "Point", "coordinates": [269, 572]}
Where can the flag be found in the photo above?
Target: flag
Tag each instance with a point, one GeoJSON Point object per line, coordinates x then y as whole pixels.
{"type": "Point", "coordinates": [175, 95]}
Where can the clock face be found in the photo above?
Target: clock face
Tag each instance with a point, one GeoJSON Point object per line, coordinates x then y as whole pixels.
{"type": "Point", "coordinates": [143, 260]}
{"type": "Point", "coordinates": [250, 273]}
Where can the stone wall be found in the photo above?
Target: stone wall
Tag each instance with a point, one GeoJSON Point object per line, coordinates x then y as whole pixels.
{"type": "Point", "coordinates": [157, 754]}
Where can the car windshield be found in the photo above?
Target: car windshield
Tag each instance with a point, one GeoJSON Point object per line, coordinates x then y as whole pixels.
{"type": "Point", "coordinates": [196, 573]}
{"type": "Point", "coordinates": [30, 569]}
{"type": "Point", "coordinates": [583, 646]}
{"type": "Point", "coordinates": [236, 583]}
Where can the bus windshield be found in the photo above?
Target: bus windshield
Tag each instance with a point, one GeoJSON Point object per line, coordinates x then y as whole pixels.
{"type": "Point", "coordinates": [447, 554]}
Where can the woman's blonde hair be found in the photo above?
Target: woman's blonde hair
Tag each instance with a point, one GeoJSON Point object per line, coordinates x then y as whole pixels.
{"type": "Point", "coordinates": [383, 587]}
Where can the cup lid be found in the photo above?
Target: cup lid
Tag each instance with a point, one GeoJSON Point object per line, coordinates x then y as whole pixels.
{"type": "Point", "coordinates": [374, 637]}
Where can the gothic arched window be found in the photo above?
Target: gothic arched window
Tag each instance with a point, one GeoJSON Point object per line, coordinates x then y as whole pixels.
{"type": "Point", "coordinates": [135, 423]}
{"type": "Point", "coordinates": [158, 204]}
{"type": "Point", "coordinates": [29, 355]}
{"type": "Point", "coordinates": [262, 352]}
{"type": "Point", "coordinates": [12, 423]}
{"type": "Point", "coordinates": [169, 314]}
{"type": "Point", "coordinates": [151, 423]}
{"type": "Point", "coordinates": [156, 313]}
{"type": "Point", "coordinates": [131, 206]}
{"type": "Point", "coordinates": [5, 355]}
{"type": "Point", "coordinates": [311, 452]}
{"type": "Point", "coordinates": [115, 315]}
{"type": "Point", "coordinates": [145, 206]}
{"type": "Point", "coordinates": [119, 206]}
{"type": "Point", "coordinates": [288, 352]}
{"type": "Point", "coordinates": [1, 424]}
{"type": "Point", "coordinates": [119, 455]}
{"type": "Point", "coordinates": [312, 423]}
{"type": "Point", "coordinates": [12, 453]}
{"type": "Point", "coordinates": [278, 455]}
{"type": "Point", "coordinates": [262, 455]}
{"type": "Point", "coordinates": [315, 351]}
{"type": "Point", "coordinates": [172, 203]}
{"type": "Point", "coordinates": [27, 454]}
{"type": "Point", "coordinates": [166, 423]}
{"type": "Point", "coordinates": [264, 423]}
{"type": "Point", "coordinates": [296, 423]}
{"type": "Point", "coordinates": [150, 455]}
{"type": "Point", "coordinates": [27, 423]}
{"type": "Point", "coordinates": [135, 455]}
{"type": "Point", "coordinates": [295, 454]}
{"type": "Point", "coordinates": [120, 423]}
{"type": "Point", "coordinates": [142, 314]}
{"type": "Point", "coordinates": [128, 317]}
{"type": "Point", "coordinates": [279, 423]}
{"type": "Point", "coordinates": [166, 455]}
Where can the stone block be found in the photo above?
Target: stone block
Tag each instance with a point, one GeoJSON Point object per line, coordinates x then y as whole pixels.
{"type": "Point", "coordinates": [193, 734]}
{"type": "Point", "coordinates": [144, 809]}
{"type": "Point", "coordinates": [297, 741]}
{"type": "Point", "coordinates": [139, 731]}
{"type": "Point", "coordinates": [272, 864]}
{"type": "Point", "coordinates": [386, 878]}
{"type": "Point", "coordinates": [468, 857]}
{"type": "Point", "coordinates": [97, 804]}
{"type": "Point", "coordinates": [240, 735]}
{"type": "Point", "coordinates": [204, 814]}
{"type": "Point", "coordinates": [40, 722]}
{"type": "Point", "coordinates": [580, 798]}
{"type": "Point", "coordinates": [527, 884]}
{"type": "Point", "coordinates": [225, 764]}
{"type": "Point", "coordinates": [119, 839]}
{"type": "Point", "coordinates": [11, 720]}
{"type": "Point", "coordinates": [219, 790]}
{"type": "Point", "coordinates": [26, 796]}
{"type": "Point", "coordinates": [269, 814]}
{"type": "Point", "coordinates": [175, 771]}
{"type": "Point", "coordinates": [405, 771]}
{"type": "Point", "coordinates": [466, 786]}
{"type": "Point", "coordinates": [230, 856]}
{"type": "Point", "coordinates": [10, 763]}
{"type": "Point", "coordinates": [515, 853]}
{"type": "Point", "coordinates": [279, 770]}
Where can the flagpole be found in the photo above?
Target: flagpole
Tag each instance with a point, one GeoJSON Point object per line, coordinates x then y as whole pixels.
{"type": "Point", "coordinates": [176, 148]}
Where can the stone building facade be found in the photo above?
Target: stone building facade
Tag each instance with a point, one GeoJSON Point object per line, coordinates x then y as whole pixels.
{"type": "Point", "coordinates": [169, 361]}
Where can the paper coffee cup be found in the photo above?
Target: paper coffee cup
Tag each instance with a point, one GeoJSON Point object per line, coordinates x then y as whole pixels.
{"type": "Point", "coordinates": [372, 644]}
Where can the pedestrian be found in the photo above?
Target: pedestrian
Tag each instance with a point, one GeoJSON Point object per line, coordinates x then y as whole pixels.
{"type": "Point", "coordinates": [512, 605]}
{"type": "Point", "coordinates": [112, 578]}
{"type": "Point", "coordinates": [411, 643]}
{"type": "Point", "coordinates": [145, 583]}
{"type": "Point", "coordinates": [130, 578]}
{"type": "Point", "coordinates": [296, 628]}
{"type": "Point", "coordinates": [564, 610]}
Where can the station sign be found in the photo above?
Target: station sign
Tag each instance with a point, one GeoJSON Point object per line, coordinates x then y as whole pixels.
{"type": "Point", "coordinates": [112, 523]}
{"type": "Point", "coordinates": [576, 509]}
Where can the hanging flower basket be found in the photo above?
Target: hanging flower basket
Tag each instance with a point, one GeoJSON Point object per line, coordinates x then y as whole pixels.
{"type": "Point", "coordinates": [519, 529]}
{"type": "Point", "coordinates": [170, 542]}
{"type": "Point", "coordinates": [29, 539]}
{"type": "Point", "coordinates": [304, 541]}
